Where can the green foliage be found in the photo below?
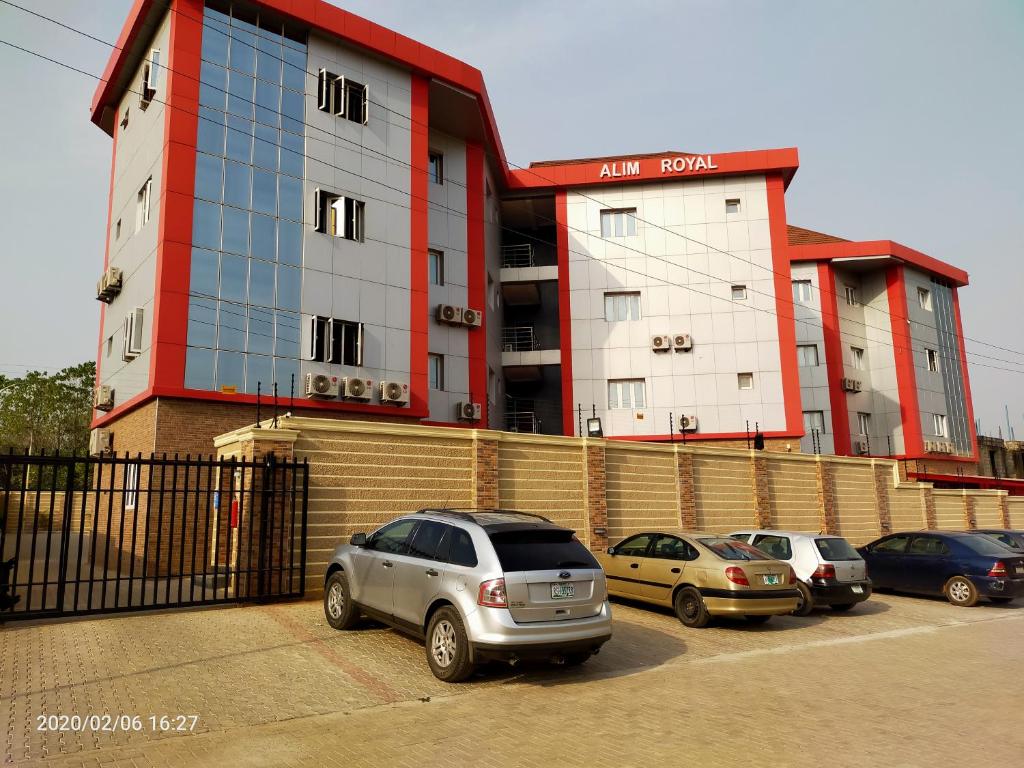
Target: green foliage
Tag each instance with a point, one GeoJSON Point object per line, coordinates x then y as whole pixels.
{"type": "Point", "coordinates": [42, 412]}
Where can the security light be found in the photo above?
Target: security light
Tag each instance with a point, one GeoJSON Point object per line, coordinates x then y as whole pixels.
{"type": "Point", "coordinates": [594, 427]}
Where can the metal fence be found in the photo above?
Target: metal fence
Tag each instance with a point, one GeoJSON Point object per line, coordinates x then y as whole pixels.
{"type": "Point", "coordinates": [518, 255]}
{"type": "Point", "coordinates": [84, 534]}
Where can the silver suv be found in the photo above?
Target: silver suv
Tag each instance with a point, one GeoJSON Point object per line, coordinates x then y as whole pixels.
{"type": "Point", "coordinates": [477, 585]}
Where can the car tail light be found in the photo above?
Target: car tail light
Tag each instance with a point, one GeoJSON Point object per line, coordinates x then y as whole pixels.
{"type": "Point", "coordinates": [492, 594]}
{"type": "Point", "coordinates": [736, 576]}
{"type": "Point", "coordinates": [998, 571]}
{"type": "Point", "coordinates": [792, 576]}
{"type": "Point", "coordinates": [825, 571]}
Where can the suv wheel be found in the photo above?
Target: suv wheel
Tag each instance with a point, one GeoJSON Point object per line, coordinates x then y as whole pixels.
{"type": "Point", "coordinates": [806, 604]}
{"type": "Point", "coordinates": [448, 646]}
{"type": "Point", "coordinates": [690, 608]}
{"type": "Point", "coordinates": [339, 609]}
{"type": "Point", "coordinates": [960, 591]}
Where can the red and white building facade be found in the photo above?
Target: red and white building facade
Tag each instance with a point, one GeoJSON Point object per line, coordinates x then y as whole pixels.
{"type": "Point", "coordinates": [297, 192]}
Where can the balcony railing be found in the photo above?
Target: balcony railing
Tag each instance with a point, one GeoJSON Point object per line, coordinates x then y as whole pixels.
{"type": "Point", "coordinates": [514, 256]}
{"type": "Point", "coordinates": [519, 338]}
{"type": "Point", "coordinates": [520, 416]}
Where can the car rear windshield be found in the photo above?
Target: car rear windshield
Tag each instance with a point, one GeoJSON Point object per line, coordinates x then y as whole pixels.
{"type": "Point", "coordinates": [730, 549]}
{"type": "Point", "coordinates": [836, 549]}
{"type": "Point", "coordinates": [983, 544]}
{"type": "Point", "coordinates": [540, 550]}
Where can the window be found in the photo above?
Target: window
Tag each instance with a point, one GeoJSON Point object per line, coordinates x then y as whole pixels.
{"type": "Point", "coordinates": [636, 546]}
{"type": "Point", "coordinates": [117, 230]}
{"type": "Point", "coordinates": [462, 551]}
{"type": "Point", "coordinates": [339, 96]}
{"type": "Point", "coordinates": [131, 485]}
{"type": "Point", "coordinates": [338, 216]}
{"type": "Point", "coordinates": [939, 426]}
{"type": "Point", "coordinates": [852, 295]}
{"type": "Point", "coordinates": [621, 306]}
{"type": "Point", "coordinates": [836, 549]}
{"type": "Point", "coordinates": [150, 78]}
{"type": "Point", "coordinates": [672, 548]}
{"type": "Point", "coordinates": [431, 541]}
{"type": "Point", "coordinates": [110, 345]}
{"type": "Point", "coordinates": [731, 549]}
{"type": "Point", "coordinates": [435, 371]}
{"type": "Point", "coordinates": [618, 222]}
{"type": "Point", "coordinates": [745, 380]}
{"type": "Point", "coordinates": [739, 293]}
{"type": "Point", "coordinates": [540, 550]}
{"type": "Point", "coordinates": [132, 335]}
{"type": "Point", "coordinates": [928, 545]}
{"type": "Point", "coordinates": [626, 393]}
{"type": "Point", "coordinates": [933, 360]}
{"type": "Point", "coordinates": [435, 266]}
{"type": "Point", "coordinates": [335, 341]}
{"type": "Point", "coordinates": [814, 421]}
{"type": "Point", "coordinates": [802, 291]}
{"type": "Point", "coordinates": [732, 205]}
{"type": "Point", "coordinates": [857, 358]}
{"type": "Point", "coordinates": [778, 547]}
{"type": "Point", "coordinates": [895, 545]}
{"type": "Point", "coordinates": [393, 539]}
{"type": "Point", "coordinates": [864, 423]}
{"type": "Point", "coordinates": [924, 298]}
{"type": "Point", "coordinates": [435, 166]}
{"type": "Point", "coordinates": [807, 355]}
{"type": "Point", "coordinates": [143, 203]}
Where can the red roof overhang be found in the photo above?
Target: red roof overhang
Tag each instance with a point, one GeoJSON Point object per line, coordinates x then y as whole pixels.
{"type": "Point", "coordinates": [876, 248]}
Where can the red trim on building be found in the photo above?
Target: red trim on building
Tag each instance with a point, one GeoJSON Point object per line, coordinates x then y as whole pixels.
{"type": "Point", "coordinates": [784, 302]}
{"type": "Point", "coordinates": [869, 248]}
{"type": "Point", "coordinates": [564, 315]}
{"type": "Point", "coordinates": [703, 436]}
{"type": "Point", "coordinates": [105, 92]}
{"type": "Point", "coordinates": [835, 367]}
{"type": "Point", "coordinates": [418, 240]}
{"type": "Point", "coordinates": [477, 288]}
{"type": "Point", "coordinates": [964, 372]}
{"type": "Point", "coordinates": [106, 253]}
{"type": "Point", "coordinates": [903, 354]}
{"type": "Point", "coordinates": [1012, 486]}
{"type": "Point", "coordinates": [169, 320]}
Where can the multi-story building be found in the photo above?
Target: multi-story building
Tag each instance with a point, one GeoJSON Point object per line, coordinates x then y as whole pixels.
{"type": "Point", "coordinates": [303, 200]}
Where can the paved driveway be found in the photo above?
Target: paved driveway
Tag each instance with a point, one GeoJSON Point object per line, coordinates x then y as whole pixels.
{"type": "Point", "coordinates": [898, 681]}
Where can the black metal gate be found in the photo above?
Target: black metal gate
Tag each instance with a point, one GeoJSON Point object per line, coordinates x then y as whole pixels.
{"type": "Point", "coordinates": [84, 534]}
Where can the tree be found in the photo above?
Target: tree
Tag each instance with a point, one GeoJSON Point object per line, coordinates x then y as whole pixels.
{"type": "Point", "coordinates": [40, 412]}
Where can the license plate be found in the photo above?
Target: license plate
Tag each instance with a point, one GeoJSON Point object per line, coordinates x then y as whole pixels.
{"type": "Point", "coordinates": [857, 589]}
{"type": "Point", "coordinates": [562, 591]}
{"type": "Point", "coordinates": [1019, 569]}
{"type": "Point", "coordinates": [770, 578]}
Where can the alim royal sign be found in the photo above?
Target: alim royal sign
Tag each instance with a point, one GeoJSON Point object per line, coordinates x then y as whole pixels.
{"type": "Point", "coordinates": [678, 164]}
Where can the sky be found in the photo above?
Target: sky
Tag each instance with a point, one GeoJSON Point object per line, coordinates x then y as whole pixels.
{"type": "Point", "coordinates": [907, 115]}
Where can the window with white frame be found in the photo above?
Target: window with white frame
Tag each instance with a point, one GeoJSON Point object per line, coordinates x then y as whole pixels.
{"type": "Point", "coordinates": [924, 299]}
{"type": "Point", "coordinates": [150, 78]}
{"type": "Point", "coordinates": [863, 423]}
{"type": "Point", "coordinates": [143, 204]}
{"type": "Point", "coordinates": [627, 393]}
{"type": "Point", "coordinates": [939, 425]}
{"type": "Point", "coordinates": [338, 216]}
{"type": "Point", "coordinates": [435, 266]}
{"type": "Point", "coordinates": [732, 205]}
{"type": "Point", "coordinates": [334, 341]}
{"type": "Point", "coordinates": [133, 326]}
{"type": "Point", "coordinates": [814, 421]}
{"type": "Point", "coordinates": [435, 371]}
{"type": "Point", "coordinates": [739, 293]}
{"type": "Point", "coordinates": [802, 291]}
{"type": "Point", "coordinates": [340, 96]}
{"type": "Point", "coordinates": [852, 295]}
{"type": "Point", "coordinates": [933, 360]}
{"type": "Point", "coordinates": [619, 222]}
{"type": "Point", "coordinates": [131, 485]}
{"type": "Point", "coordinates": [807, 355]}
{"type": "Point", "coordinates": [745, 380]}
{"type": "Point", "coordinates": [435, 167]}
{"type": "Point", "coordinates": [621, 306]}
{"type": "Point", "coordinates": [857, 358]}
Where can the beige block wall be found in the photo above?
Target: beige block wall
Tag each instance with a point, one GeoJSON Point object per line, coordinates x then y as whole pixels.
{"type": "Point", "coordinates": [949, 510]}
{"type": "Point", "coordinates": [723, 490]}
{"type": "Point", "coordinates": [906, 506]}
{"type": "Point", "coordinates": [793, 493]}
{"type": "Point", "coordinates": [1016, 505]}
{"type": "Point", "coordinates": [547, 477]}
{"type": "Point", "coordinates": [988, 512]}
{"type": "Point", "coordinates": [856, 503]}
{"type": "Point", "coordinates": [642, 489]}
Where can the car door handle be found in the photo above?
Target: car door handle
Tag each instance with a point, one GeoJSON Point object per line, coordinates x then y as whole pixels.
{"type": "Point", "coordinates": [634, 565]}
{"type": "Point", "coordinates": [675, 570]}
{"type": "Point", "coordinates": [387, 564]}
{"type": "Point", "coordinates": [431, 572]}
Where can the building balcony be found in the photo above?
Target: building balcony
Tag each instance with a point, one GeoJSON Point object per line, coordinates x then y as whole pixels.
{"type": "Point", "coordinates": [520, 348]}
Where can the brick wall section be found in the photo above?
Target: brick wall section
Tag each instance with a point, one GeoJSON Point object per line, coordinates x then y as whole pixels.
{"type": "Point", "coordinates": [970, 522]}
{"type": "Point", "coordinates": [928, 499]}
{"type": "Point", "coordinates": [485, 472]}
{"type": "Point", "coordinates": [687, 499]}
{"type": "Point", "coordinates": [762, 497]}
{"type": "Point", "coordinates": [597, 503]}
{"type": "Point", "coordinates": [826, 497]}
{"type": "Point", "coordinates": [883, 482]}
{"type": "Point", "coordinates": [1004, 508]}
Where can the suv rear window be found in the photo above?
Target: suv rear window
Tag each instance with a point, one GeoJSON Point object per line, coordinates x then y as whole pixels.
{"type": "Point", "coordinates": [836, 549]}
{"type": "Point", "coordinates": [542, 549]}
{"type": "Point", "coordinates": [730, 549]}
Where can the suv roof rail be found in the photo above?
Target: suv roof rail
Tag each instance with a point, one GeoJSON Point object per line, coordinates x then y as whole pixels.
{"type": "Point", "coordinates": [466, 513]}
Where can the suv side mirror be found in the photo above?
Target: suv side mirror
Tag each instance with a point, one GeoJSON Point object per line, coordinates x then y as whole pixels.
{"type": "Point", "coordinates": [611, 550]}
{"type": "Point", "coordinates": [358, 540]}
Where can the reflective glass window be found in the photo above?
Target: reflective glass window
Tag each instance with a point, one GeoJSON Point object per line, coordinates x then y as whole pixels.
{"type": "Point", "coordinates": [261, 283]}
{"type": "Point", "coordinates": [264, 237]}
{"type": "Point", "coordinates": [264, 192]}
{"type": "Point", "coordinates": [203, 278]}
{"type": "Point", "coordinates": [237, 184]}
{"type": "Point", "coordinates": [289, 242]}
{"type": "Point", "coordinates": [289, 288]}
{"type": "Point", "coordinates": [239, 139]}
{"type": "Point", "coordinates": [202, 322]}
{"type": "Point", "coordinates": [236, 230]}
{"type": "Point", "coordinates": [230, 369]}
{"type": "Point", "coordinates": [199, 368]}
{"type": "Point", "coordinates": [259, 374]}
{"type": "Point", "coordinates": [231, 326]}
{"type": "Point", "coordinates": [233, 277]}
{"type": "Point", "coordinates": [206, 225]}
{"type": "Point", "coordinates": [290, 201]}
{"type": "Point", "coordinates": [209, 176]}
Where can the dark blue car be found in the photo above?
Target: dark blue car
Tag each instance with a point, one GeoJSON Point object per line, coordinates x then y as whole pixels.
{"type": "Point", "coordinates": [962, 566]}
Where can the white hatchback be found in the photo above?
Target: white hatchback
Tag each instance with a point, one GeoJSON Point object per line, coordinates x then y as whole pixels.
{"type": "Point", "coordinates": [828, 569]}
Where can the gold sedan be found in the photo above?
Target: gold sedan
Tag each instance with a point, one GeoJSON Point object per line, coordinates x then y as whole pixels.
{"type": "Point", "coordinates": [700, 575]}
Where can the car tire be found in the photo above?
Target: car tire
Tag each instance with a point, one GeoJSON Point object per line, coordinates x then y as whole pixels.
{"type": "Point", "coordinates": [448, 646]}
{"type": "Point", "coordinates": [806, 604]}
{"type": "Point", "coordinates": [757, 619]}
{"type": "Point", "coordinates": [961, 592]}
{"type": "Point", "coordinates": [1002, 600]}
{"type": "Point", "coordinates": [690, 608]}
{"type": "Point", "coordinates": [842, 607]}
{"type": "Point", "coordinates": [339, 609]}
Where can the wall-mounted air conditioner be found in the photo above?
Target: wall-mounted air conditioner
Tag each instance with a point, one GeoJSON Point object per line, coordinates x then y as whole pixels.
{"type": "Point", "coordinates": [356, 389]}
{"type": "Point", "coordinates": [472, 317]}
{"type": "Point", "coordinates": [446, 313]}
{"type": "Point", "coordinates": [394, 392]}
{"type": "Point", "coordinates": [99, 442]}
{"type": "Point", "coordinates": [104, 398]}
{"type": "Point", "coordinates": [661, 343]}
{"type": "Point", "coordinates": [851, 385]}
{"type": "Point", "coordinates": [860, 447]}
{"type": "Point", "coordinates": [682, 342]}
{"type": "Point", "coordinates": [688, 423]}
{"type": "Point", "coordinates": [468, 411]}
{"type": "Point", "coordinates": [321, 385]}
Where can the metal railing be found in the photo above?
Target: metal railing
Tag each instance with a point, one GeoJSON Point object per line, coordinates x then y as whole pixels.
{"type": "Point", "coordinates": [519, 338]}
{"type": "Point", "coordinates": [521, 416]}
{"type": "Point", "coordinates": [519, 255]}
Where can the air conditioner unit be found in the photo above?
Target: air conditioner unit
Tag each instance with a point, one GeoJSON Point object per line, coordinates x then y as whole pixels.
{"type": "Point", "coordinates": [851, 385]}
{"type": "Point", "coordinates": [104, 398]}
{"type": "Point", "coordinates": [468, 411]}
{"type": "Point", "coordinates": [688, 423]}
{"type": "Point", "coordinates": [394, 392]}
{"type": "Point", "coordinates": [860, 447]}
{"type": "Point", "coordinates": [321, 385]}
{"type": "Point", "coordinates": [682, 342]}
{"type": "Point", "coordinates": [99, 442]}
{"type": "Point", "coordinates": [109, 285]}
{"type": "Point", "coordinates": [446, 313]}
{"type": "Point", "coordinates": [661, 343]}
{"type": "Point", "coordinates": [472, 317]}
{"type": "Point", "coordinates": [356, 389]}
